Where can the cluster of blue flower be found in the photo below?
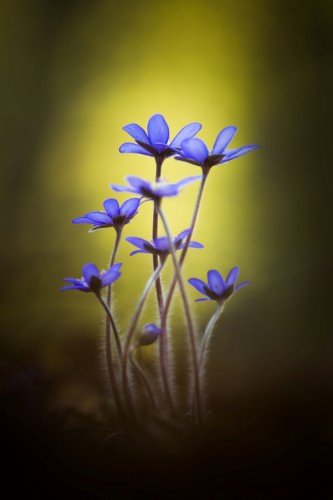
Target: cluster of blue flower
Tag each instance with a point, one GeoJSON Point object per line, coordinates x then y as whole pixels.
{"type": "Point", "coordinates": [187, 148]}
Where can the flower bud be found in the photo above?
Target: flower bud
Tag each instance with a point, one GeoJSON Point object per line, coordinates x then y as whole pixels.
{"type": "Point", "coordinates": [148, 335]}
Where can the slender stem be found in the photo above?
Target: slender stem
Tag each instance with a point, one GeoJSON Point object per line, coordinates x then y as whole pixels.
{"type": "Point", "coordinates": [205, 341]}
{"type": "Point", "coordinates": [163, 341]}
{"type": "Point", "coordinates": [184, 251]}
{"type": "Point", "coordinates": [131, 332]}
{"type": "Point", "coordinates": [207, 335]}
{"type": "Point", "coordinates": [113, 257]}
{"type": "Point", "coordinates": [108, 299]}
{"type": "Point", "coordinates": [158, 285]}
{"type": "Point", "coordinates": [192, 337]}
{"type": "Point", "coordinates": [163, 336]}
{"type": "Point", "coordinates": [143, 377]}
{"type": "Point", "coordinates": [194, 218]}
{"type": "Point", "coordinates": [111, 371]}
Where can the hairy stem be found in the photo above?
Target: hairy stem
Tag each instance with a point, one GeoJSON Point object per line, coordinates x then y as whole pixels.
{"type": "Point", "coordinates": [192, 337]}
{"type": "Point", "coordinates": [110, 366]}
{"type": "Point", "coordinates": [108, 300]}
{"type": "Point", "coordinates": [131, 332]}
{"type": "Point", "coordinates": [158, 285]}
{"type": "Point", "coordinates": [143, 378]}
{"type": "Point", "coordinates": [164, 338]}
{"type": "Point", "coordinates": [207, 335]}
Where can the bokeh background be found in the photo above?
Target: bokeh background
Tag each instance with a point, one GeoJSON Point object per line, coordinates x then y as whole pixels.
{"type": "Point", "coordinates": [73, 74]}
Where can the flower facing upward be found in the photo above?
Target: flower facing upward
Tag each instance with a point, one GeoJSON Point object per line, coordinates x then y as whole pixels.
{"type": "Point", "coordinates": [155, 143]}
{"type": "Point", "coordinates": [153, 190]}
{"type": "Point", "coordinates": [114, 216]}
{"type": "Point", "coordinates": [195, 151]}
{"type": "Point", "coordinates": [92, 280]}
{"type": "Point", "coordinates": [217, 289]}
{"type": "Point", "coordinates": [161, 246]}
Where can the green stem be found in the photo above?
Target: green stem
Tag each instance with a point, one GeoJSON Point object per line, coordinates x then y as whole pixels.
{"type": "Point", "coordinates": [163, 336]}
{"type": "Point", "coordinates": [158, 285]}
{"type": "Point", "coordinates": [143, 378]}
{"type": "Point", "coordinates": [192, 337]}
{"type": "Point", "coordinates": [108, 300]}
{"type": "Point", "coordinates": [207, 335]}
{"type": "Point", "coordinates": [163, 341]}
{"type": "Point", "coordinates": [131, 332]}
{"type": "Point", "coordinates": [111, 371]}
{"type": "Point", "coordinates": [184, 251]}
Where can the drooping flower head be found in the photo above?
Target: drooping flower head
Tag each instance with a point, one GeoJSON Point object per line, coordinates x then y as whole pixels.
{"type": "Point", "coordinates": [114, 215]}
{"type": "Point", "coordinates": [92, 280]}
{"type": "Point", "coordinates": [153, 190]}
{"type": "Point", "coordinates": [161, 246]}
{"type": "Point", "coordinates": [195, 151]}
{"type": "Point", "coordinates": [156, 142]}
{"type": "Point", "coordinates": [216, 288]}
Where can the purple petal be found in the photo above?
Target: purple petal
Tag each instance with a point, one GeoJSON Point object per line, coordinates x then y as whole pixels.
{"type": "Point", "coordinates": [138, 251]}
{"type": "Point", "coordinates": [139, 242]}
{"type": "Point", "coordinates": [137, 182]}
{"type": "Point", "coordinates": [241, 285]}
{"type": "Point", "coordinates": [88, 271]}
{"type": "Point", "coordinates": [111, 207]}
{"type": "Point", "coordinates": [75, 281]}
{"type": "Point", "coordinates": [223, 139]}
{"type": "Point", "coordinates": [231, 154]}
{"type": "Point", "coordinates": [136, 132]}
{"type": "Point", "coordinates": [186, 132]}
{"type": "Point", "coordinates": [188, 180]}
{"type": "Point", "coordinates": [129, 147]}
{"type": "Point", "coordinates": [198, 285]}
{"type": "Point", "coordinates": [73, 287]}
{"type": "Point", "coordinates": [194, 149]}
{"type": "Point", "coordinates": [99, 218]}
{"type": "Point", "coordinates": [129, 207]}
{"type": "Point", "coordinates": [158, 130]}
{"type": "Point", "coordinates": [110, 276]}
{"type": "Point", "coordinates": [115, 267]}
{"type": "Point", "coordinates": [162, 244]}
{"type": "Point", "coordinates": [183, 235]}
{"type": "Point", "coordinates": [166, 190]}
{"type": "Point", "coordinates": [232, 276]}
{"type": "Point", "coordinates": [202, 300]}
{"type": "Point", "coordinates": [82, 220]}
{"type": "Point", "coordinates": [195, 244]}
{"type": "Point", "coordinates": [215, 282]}
{"type": "Point", "coordinates": [121, 189]}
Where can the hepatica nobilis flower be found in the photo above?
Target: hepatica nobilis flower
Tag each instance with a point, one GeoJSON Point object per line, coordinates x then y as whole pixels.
{"type": "Point", "coordinates": [216, 288]}
{"type": "Point", "coordinates": [114, 215]}
{"type": "Point", "coordinates": [156, 142]}
{"type": "Point", "coordinates": [92, 280]}
{"type": "Point", "coordinates": [153, 190]}
{"type": "Point", "coordinates": [161, 246]}
{"type": "Point", "coordinates": [195, 151]}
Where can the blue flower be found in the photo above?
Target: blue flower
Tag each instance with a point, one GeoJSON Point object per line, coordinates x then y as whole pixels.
{"type": "Point", "coordinates": [114, 216]}
{"type": "Point", "coordinates": [153, 190]}
{"type": "Point", "coordinates": [195, 151]}
{"type": "Point", "coordinates": [161, 246]}
{"type": "Point", "coordinates": [155, 143]}
{"type": "Point", "coordinates": [92, 280]}
{"type": "Point", "coordinates": [217, 289]}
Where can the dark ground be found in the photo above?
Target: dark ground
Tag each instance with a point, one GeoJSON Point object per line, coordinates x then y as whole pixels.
{"type": "Point", "coordinates": [251, 450]}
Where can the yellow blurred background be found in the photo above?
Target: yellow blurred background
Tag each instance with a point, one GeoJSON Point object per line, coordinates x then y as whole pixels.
{"type": "Point", "coordinates": [73, 74]}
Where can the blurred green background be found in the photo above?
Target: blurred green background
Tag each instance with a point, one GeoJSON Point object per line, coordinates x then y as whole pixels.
{"type": "Point", "coordinates": [73, 74]}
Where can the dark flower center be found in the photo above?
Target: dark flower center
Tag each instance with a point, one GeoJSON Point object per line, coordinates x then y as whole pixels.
{"type": "Point", "coordinates": [95, 284]}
